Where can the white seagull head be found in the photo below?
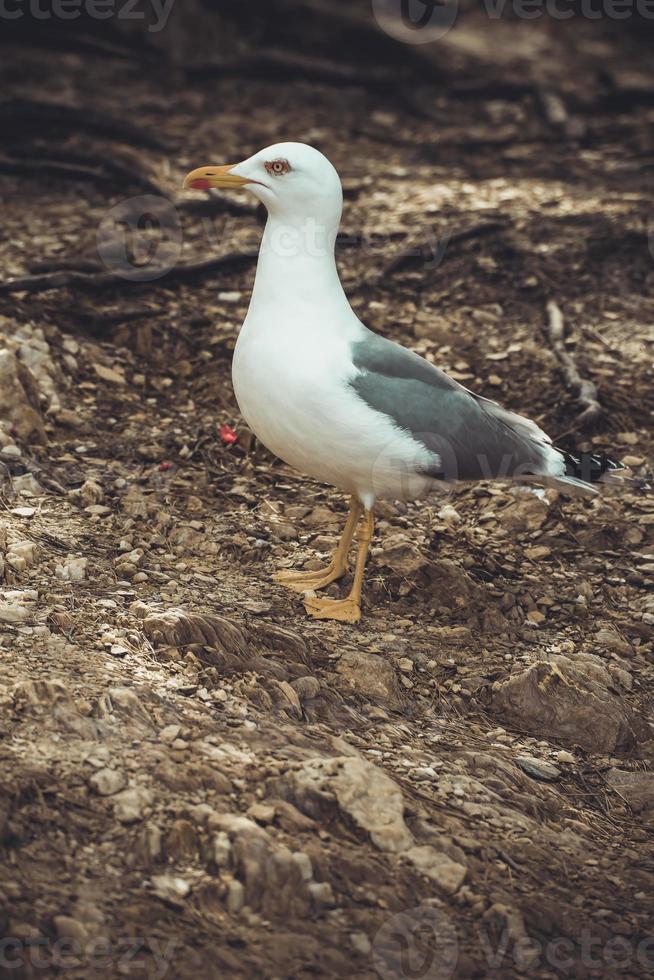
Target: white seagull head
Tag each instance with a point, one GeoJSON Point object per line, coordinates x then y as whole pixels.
{"type": "Point", "coordinates": [294, 181]}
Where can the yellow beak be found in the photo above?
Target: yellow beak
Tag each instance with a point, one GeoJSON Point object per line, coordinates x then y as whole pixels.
{"type": "Point", "coordinates": [206, 177]}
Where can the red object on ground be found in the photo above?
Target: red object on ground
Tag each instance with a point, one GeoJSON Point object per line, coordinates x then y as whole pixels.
{"type": "Point", "coordinates": [165, 465]}
{"type": "Point", "coordinates": [228, 436]}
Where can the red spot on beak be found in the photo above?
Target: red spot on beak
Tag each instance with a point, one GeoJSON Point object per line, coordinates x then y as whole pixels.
{"type": "Point", "coordinates": [201, 184]}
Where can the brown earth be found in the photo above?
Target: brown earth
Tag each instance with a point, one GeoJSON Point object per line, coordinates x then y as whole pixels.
{"type": "Point", "coordinates": [199, 780]}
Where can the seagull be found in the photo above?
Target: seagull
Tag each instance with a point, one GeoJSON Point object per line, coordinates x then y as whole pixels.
{"type": "Point", "coordinates": [344, 405]}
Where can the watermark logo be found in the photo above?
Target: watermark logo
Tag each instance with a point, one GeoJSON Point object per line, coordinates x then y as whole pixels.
{"type": "Point", "coordinates": [424, 21]}
{"type": "Point", "coordinates": [140, 238]}
{"type": "Point", "coordinates": [415, 21]}
{"type": "Point", "coordinates": [411, 464]}
{"type": "Point", "coordinates": [418, 944]}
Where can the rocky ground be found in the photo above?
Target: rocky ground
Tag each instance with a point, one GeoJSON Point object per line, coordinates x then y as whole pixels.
{"type": "Point", "coordinates": [199, 780]}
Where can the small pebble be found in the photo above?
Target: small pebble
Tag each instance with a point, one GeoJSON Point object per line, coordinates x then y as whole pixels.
{"type": "Point", "coordinates": [539, 769]}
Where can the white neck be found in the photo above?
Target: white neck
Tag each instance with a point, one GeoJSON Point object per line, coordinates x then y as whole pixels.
{"type": "Point", "coordinates": [297, 266]}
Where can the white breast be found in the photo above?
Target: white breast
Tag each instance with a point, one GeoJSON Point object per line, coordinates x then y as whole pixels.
{"type": "Point", "coordinates": [291, 383]}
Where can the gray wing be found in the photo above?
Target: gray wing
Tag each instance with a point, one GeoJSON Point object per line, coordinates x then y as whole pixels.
{"type": "Point", "coordinates": [474, 438]}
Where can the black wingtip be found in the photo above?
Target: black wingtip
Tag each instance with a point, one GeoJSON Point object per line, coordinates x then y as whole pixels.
{"type": "Point", "coordinates": [589, 467]}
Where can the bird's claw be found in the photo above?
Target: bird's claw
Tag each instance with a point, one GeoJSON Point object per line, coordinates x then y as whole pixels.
{"type": "Point", "coordinates": [308, 581]}
{"type": "Point", "coordinates": [344, 610]}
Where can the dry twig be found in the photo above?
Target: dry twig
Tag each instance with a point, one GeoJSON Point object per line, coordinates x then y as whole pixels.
{"type": "Point", "coordinates": [75, 279]}
{"type": "Point", "coordinates": [76, 165]}
{"type": "Point", "coordinates": [585, 390]}
{"type": "Point", "coordinates": [428, 250]}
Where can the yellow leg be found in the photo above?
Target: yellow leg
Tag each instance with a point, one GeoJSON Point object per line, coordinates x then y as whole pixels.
{"type": "Point", "coordinates": [338, 566]}
{"type": "Point", "coordinates": [347, 610]}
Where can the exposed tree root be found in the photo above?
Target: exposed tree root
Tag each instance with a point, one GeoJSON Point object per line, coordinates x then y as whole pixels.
{"type": "Point", "coordinates": [584, 389]}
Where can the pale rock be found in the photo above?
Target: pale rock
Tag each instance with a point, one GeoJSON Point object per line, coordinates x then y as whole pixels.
{"type": "Point", "coordinates": [290, 699]}
{"type": "Point", "coordinates": [88, 494]}
{"type": "Point", "coordinates": [34, 353]}
{"type": "Point", "coordinates": [322, 894]}
{"type": "Point", "coordinates": [526, 512]}
{"type": "Point", "coordinates": [262, 812]}
{"type": "Point", "coordinates": [622, 676]}
{"type": "Point", "coordinates": [16, 562]}
{"type": "Point", "coordinates": [10, 451]}
{"type": "Point", "coordinates": [67, 417]}
{"type": "Point", "coordinates": [170, 888]}
{"type": "Point", "coordinates": [98, 757]}
{"type": "Point", "coordinates": [27, 485]}
{"type": "Point", "coordinates": [271, 878]}
{"type": "Point", "coordinates": [360, 943]}
{"type": "Point", "coordinates": [369, 674]}
{"type": "Point", "coordinates": [69, 928]}
{"type": "Point", "coordinates": [362, 791]}
{"type": "Point", "coordinates": [23, 511]}
{"type": "Point", "coordinates": [133, 557]}
{"type": "Point", "coordinates": [449, 875]}
{"type": "Point", "coordinates": [112, 375]}
{"type": "Point", "coordinates": [19, 398]}
{"type": "Point", "coordinates": [130, 803]}
{"type": "Point", "coordinates": [22, 930]}
{"type": "Point", "coordinates": [151, 842]}
{"type": "Point", "coordinates": [637, 788]}
{"type": "Point", "coordinates": [538, 769]}
{"type": "Point", "coordinates": [124, 703]}
{"type": "Point", "coordinates": [181, 842]}
{"type": "Point", "coordinates": [169, 733]}
{"type": "Point", "coordinates": [449, 514]}
{"type": "Point", "coordinates": [106, 782]}
{"type": "Point", "coordinates": [235, 896]}
{"type": "Point", "coordinates": [222, 849]}
{"type": "Point", "coordinates": [608, 639]}
{"type": "Point", "coordinates": [72, 570]}
{"type": "Point", "coordinates": [16, 606]}
{"type": "Point", "coordinates": [572, 700]}
{"type": "Point", "coordinates": [307, 688]}
{"type": "Point", "coordinates": [303, 862]}
{"type": "Point", "coordinates": [403, 557]}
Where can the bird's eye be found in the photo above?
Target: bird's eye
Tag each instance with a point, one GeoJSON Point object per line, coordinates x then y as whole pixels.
{"type": "Point", "coordinates": [278, 167]}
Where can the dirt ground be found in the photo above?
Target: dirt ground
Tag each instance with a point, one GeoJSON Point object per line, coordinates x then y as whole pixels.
{"type": "Point", "coordinates": [198, 780]}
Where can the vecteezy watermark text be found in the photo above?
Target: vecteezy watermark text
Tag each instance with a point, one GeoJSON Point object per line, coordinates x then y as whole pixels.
{"type": "Point", "coordinates": [565, 9]}
{"type": "Point", "coordinates": [141, 239]}
{"type": "Point", "coordinates": [422, 944]}
{"type": "Point", "coordinates": [154, 13]}
{"type": "Point", "coordinates": [425, 21]}
{"type": "Point", "coordinates": [151, 956]}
